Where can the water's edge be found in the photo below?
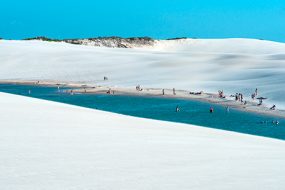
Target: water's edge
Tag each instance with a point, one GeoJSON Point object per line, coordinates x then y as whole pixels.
{"type": "Point", "coordinates": [192, 111]}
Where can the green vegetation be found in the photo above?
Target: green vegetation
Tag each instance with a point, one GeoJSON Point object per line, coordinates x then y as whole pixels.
{"type": "Point", "coordinates": [43, 38]}
{"type": "Point", "coordinates": [102, 41]}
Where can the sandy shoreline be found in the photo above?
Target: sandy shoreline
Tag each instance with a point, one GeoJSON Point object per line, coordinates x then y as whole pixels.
{"type": "Point", "coordinates": [156, 92]}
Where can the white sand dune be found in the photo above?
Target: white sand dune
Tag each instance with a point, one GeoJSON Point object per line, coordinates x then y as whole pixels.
{"type": "Point", "coordinates": [234, 65]}
{"type": "Point", "coordinates": [46, 145]}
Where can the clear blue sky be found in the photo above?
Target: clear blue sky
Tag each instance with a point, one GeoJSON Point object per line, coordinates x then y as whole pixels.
{"type": "Point", "coordinates": [155, 18]}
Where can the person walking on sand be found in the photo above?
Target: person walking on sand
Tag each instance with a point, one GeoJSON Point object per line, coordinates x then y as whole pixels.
{"type": "Point", "coordinates": [163, 92]}
{"type": "Point", "coordinates": [253, 96]}
{"type": "Point", "coordinates": [174, 92]}
{"type": "Point", "coordinates": [236, 97]}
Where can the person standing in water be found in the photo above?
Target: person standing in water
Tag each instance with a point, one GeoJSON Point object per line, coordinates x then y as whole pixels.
{"type": "Point", "coordinates": [211, 109]}
{"type": "Point", "coordinates": [177, 109]}
{"type": "Point", "coordinates": [228, 109]}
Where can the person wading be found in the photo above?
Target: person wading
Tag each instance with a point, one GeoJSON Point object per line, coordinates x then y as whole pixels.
{"type": "Point", "coordinates": [177, 109]}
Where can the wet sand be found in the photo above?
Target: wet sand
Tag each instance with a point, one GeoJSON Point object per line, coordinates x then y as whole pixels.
{"type": "Point", "coordinates": [251, 106]}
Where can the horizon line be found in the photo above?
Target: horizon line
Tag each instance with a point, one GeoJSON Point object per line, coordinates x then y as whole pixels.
{"type": "Point", "coordinates": [130, 37]}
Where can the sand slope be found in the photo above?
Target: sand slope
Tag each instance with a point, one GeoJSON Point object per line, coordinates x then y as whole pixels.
{"type": "Point", "coordinates": [46, 145]}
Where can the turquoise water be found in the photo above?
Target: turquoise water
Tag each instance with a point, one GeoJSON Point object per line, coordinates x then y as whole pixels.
{"type": "Point", "coordinates": [192, 112]}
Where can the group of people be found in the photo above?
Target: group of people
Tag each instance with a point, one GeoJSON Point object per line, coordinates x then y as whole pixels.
{"type": "Point", "coordinates": [239, 97]}
{"type": "Point", "coordinates": [138, 88]}
{"type": "Point", "coordinates": [110, 91]}
{"type": "Point", "coordinates": [221, 94]}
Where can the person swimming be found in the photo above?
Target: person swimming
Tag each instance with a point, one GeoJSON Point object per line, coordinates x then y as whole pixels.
{"type": "Point", "coordinates": [211, 109]}
{"type": "Point", "coordinates": [264, 122]}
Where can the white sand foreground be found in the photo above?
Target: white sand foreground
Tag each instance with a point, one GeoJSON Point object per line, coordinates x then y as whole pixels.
{"type": "Point", "coordinates": [46, 145]}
